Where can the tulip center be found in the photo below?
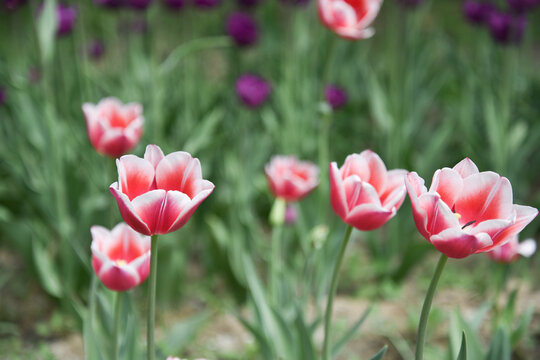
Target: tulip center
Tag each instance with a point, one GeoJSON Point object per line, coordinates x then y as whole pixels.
{"type": "Point", "coordinates": [121, 262]}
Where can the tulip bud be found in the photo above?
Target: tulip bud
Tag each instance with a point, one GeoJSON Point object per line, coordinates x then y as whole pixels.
{"type": "Point", "coordinates": [477, 12]}
{"type": "Point", "coordinates": [243, 29]}
{"type": "Point", "coordinates": [252, 90]}
{"type": "Point", "coordinates": [506, 28]}
{"type": "Point", "coordinates": [335, 96]}
{"type": "Point", "coordinates": [66, 17]}
{"type": "Point", "coordinates": [277, 214]}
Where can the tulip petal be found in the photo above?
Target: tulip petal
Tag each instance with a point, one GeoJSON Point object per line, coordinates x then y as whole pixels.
{"type": "Point", "coordinates": [466, 167]}
{"type": "Point", "coordinates": [524, 215]}
{"type": "Point", "coordinates": [337, 192]}
{"type": "Point", "coordinates": [455, 243]}
{"type": "Point", "coordinates": [128, 212]}
{"type": "Point", "coordinates": [179, 171]}
{"type": "Point", "coordinates": [367, 217]}
{"type": "Point", "coordinates": [135, 175]}
{"type": "Point", "coordinates": [149, 206]}
{"type": "Point", "coordinates": [394, 192]}
{"type": "Point", "coordinates": [118, 278]}
{"type": "Point", "coordinates": [190, 207]}
{"type": "Point", "coordinates": [359, 192]}
{"type": "Point", "coordinates": [485, 196]}
{"type": "Point", "coordinates": [448, 184]}
{"type": "Point", "coordinates": [527, 248]}
{"type": "Point", "coordinates": [154, 155]}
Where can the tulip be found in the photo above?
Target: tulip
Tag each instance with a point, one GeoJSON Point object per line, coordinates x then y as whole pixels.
{"type": "Point", "coordinates": [158, 194]}
{"type": "Point", "coordinates": [174, 4]}
{"type": "Point", "coordinates": [291, 179]}
{"type": "Point", "coordinates": [477, 12]}
{"type": "Point", "coordinates": [206, 4]}
{"type": "Point", "coordinates": [466, 211]}
{"type": "Point", "coordinates": [335, 96]}
{"type": "Point", "coordinates": [120, 257]}
{"type": "Point", "coordinates": [511, 251]}
{"type": "Point", "coordinates": [363, 193]}
{"type": "Point", "coordinates": [506, 28]}
{"type": "Point", "coordinates": [252, 90]}
{"type": "Point", "coordinates": [113, 128]}
{"type": "Point", "coordinates": [349, 19]}
{"type": "Point", "coordinates": [243, 29]}
{"type": "Point", "coordinates": [66, 17]}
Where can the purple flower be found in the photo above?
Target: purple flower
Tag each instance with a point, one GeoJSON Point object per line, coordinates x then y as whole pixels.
{"type": "Point", "coordinates": [248, 3]}
{"type": "Point", "coordinates": [252, 90]}
{"type": "Point", "coordinates": [66, 17]}
{"type": "Point", "coordinates": [206, 4]}
{"type": "Point", "coordinates": [174, 4]}
{"type": "Point", "coordinates": [335, 96]}
{"type": "Point", "coordinates": [139, 4]}
{"type": "Point", "coordinates": [2, 96]}
{"type": "Point", "coordinates": [291, 214]}
{"type": "Point", "coordinates": [96, 49]}
{"type": "Point", "coordinates": [12, 5]}
{"type": "Point", "coordinates": [111, 4]}
{"type": "Point", "coordinates": [410, 3]}
{"type": "Point", "coordinates": [522, 6]}
{"type": "Point", "coordinates": [506, 28]}
{"type": "Point", "coordinates": [477, 12]}
{"type": "Point", "coordinates": [243, 29]}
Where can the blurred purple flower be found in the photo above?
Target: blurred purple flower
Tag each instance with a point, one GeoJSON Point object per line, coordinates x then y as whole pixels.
{"type": "Point", "coordinates": [477, 12]}
{"type": "Point", "coordinates": [522, 6]}
{"type": "Point", "coordinates": [174, 4]}
{"type": "Point", "coordinates": [243, 29]}
{"type": "Point", "coordinates": [66, 17]}
{"type": "Point", "coordinates": [252, 90]}
{"type": "Point", "coordinates": [291, 214]}
{"type": "Point", "coordinates": [139, 4]}
{"type": "Point", "coordinates": [506, 28]}
{"type": "Point", "coordinates": [34, 75]}
{"type": "Point", "coordinates": [410, 3]}
{"type": "Point", "coordinates": [206, 4]}
{"type": "Point", "coordinates": [2, 96]}
{"type": "Point", "coordinates": [335, 96]}
{"type": "Point", "coordinates": [96, 49]}
{"type": "Point", "coordinates": [12, 5]}
{"type": "Point", "coordinates": [248, 3]}
{"type": "Point", "coordinates": [111, 4]}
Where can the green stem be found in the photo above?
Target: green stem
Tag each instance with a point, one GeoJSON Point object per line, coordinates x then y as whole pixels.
{"type": "Point", "coordinates": [117, 311]}
{"type": "Point", "coordinates": [151, 320]}
{"type": "Point", "coordinates": [277, 217]}
{"type": "Point", "coordinates": [420, 338]}
{"type": "Point", "coordinates": [332, 293]}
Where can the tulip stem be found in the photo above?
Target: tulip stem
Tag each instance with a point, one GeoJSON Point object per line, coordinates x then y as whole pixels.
{"type": "Point", "coordinates": [420, 338]}
{"type": "Point", "coordinates": [152, 300]}
{"type": "Point", "coordinates": [117, 311]}
{"type": "Point", "coordinates": [277, 217]}
{"type": "Point", "coordinates": [332, 293]}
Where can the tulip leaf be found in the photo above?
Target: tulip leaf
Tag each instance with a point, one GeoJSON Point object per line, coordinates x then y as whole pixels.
{"type": "Point", "coordinates": [380, 354]}
{"type": "Point", "coordinates": [182, 333]}
{"type": "Point", "coordinates": [349, 333]}
{"type": "Point", "coordinates": [46, 270]}
{"type": "Point", "coordinates": [499, 348]}
{"type": "Point", "coordinates": [463, 349]}
{"type": "Point", "coordinates": [46, 30]}
{"type": "Point", "coordinates": [523, 325]}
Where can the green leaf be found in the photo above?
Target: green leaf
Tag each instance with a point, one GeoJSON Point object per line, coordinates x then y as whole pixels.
{"type": "Point", "coordinates": [463, 349]}
{"type": "Point", "coordinates": [523, 325]}
{"type": "Point", "coordinates": [380, 354]}
{"type": "Point", "coordinates": [307, 349]}
{"type": "Point", "coordinates": [46, 270]}
{"type": "Point", "coordinates": [204, 134]}
{"type": "Point", "coordinates": [264, 347]}
{"type": "Point", "coordinates": [46, 30]}
{"type": "Point", "coordinates": [182, 333]}
{"type": "Point", "coordinates": [474, 344]}
{"type": "Point", "coordinates": [349, 333]}
{"type": "Point", "coordinates": [499, 348]}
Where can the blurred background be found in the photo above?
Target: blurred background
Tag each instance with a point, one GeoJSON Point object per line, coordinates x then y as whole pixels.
{"type": "Point", "coordinates": [439, 81]}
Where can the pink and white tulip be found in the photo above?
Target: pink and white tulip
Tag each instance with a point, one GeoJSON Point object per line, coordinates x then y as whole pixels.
{"type": "Point", "coordinates": [120, 257]}
{"type": "Point", "coordinates": [349, 19]}
{"type": "Point", "coordinates": [291, 179]}
{"type": "Point", "coordinates": [466, 211]}
{"type": "Point", "coordinates": [512, 250]}
{"type": "Point", "coordinates": [363, 193]}
{"type": "Point", "coordinates": [158, 194]}
{"type": "Point", "coordinates": [113, 128]}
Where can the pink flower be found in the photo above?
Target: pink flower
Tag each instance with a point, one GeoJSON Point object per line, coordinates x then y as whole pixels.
{"type": "Point", "coordinates": [349, 18]}
{"type": "Point", "coordinates": [466, 211]}
{"type": "Point", "coordinates": [121, 257]}
{"type": "Point", "coordinates": [291, 179]}
{"type": "Point", "coordinates": [363, 193]}
{"type": "Point", "coordinates": [158, 194]}
{"type": "Point", "coordinates": [113, 128]}
{"type": "Point", "coordinates": [511, 251]}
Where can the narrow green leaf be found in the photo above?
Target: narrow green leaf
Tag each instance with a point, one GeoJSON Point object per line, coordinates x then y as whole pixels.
{"type": "Point", "coordinates": [182, 333]}
{"type": "Point", "coordinates": [349, 333]}
{"type": "Point", "coordinates": [463, 349]}
{"type": "Point", "coordinates": [204, 134]}
{"type": "Point", "coordinates": [523, 325]}
{"type": "Point", "coordinates": [380, 354]}
{"type": "Point", "coordinates": [46, 270]}
{"type": "Point", "coordinates": [46, 30]}
{"type": "Point", "coordinates": [499, 348]}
